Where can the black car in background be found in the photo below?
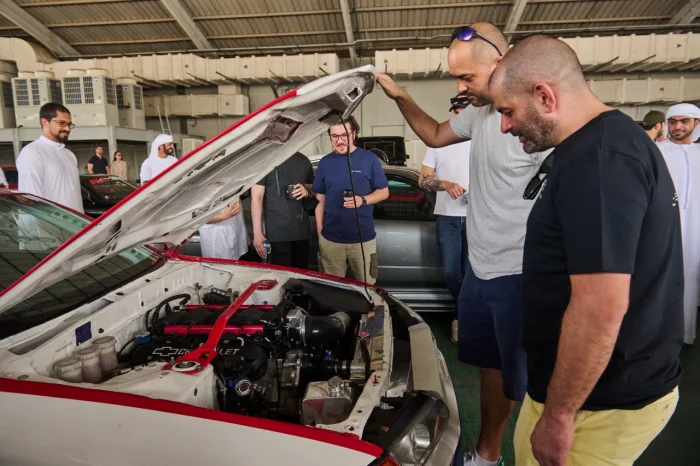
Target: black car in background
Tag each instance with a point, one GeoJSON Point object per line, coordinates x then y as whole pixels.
{"type": "Point", "coordinates": [390, 149]}
{"type": "Point", "coordinates": [101, 192]}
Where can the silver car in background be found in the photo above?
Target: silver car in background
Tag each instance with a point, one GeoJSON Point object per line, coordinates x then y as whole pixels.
{"type": "Point", "coordinates": [407, 251]}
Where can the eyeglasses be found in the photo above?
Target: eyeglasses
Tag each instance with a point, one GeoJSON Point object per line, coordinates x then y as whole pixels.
{"type": "Point", "coordinates": [467, 33]}
{"type": "Point", "coordinates": [64, 124]}
{"type": "Point", "coordinates": [535, 184]}
{"type": "Point", "coordinates": [335, 137]}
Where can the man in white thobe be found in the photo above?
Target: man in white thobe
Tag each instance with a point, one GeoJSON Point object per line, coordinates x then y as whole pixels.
{"type": "Point", "coordinates": [683, 161]}
{"type": "Point", "coordinates": [160, 158]}
{"type": "Point", "coordinates": [45, 167]}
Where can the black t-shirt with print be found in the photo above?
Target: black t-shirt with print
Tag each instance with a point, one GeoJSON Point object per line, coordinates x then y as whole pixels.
{"type": "Point", "coordinates": [608, 205]}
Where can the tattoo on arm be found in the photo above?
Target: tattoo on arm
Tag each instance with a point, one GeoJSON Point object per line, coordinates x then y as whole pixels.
{"type": "Point", "coordinates": [430, 182]}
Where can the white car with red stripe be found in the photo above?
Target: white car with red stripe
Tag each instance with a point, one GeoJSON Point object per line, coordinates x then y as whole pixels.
{"type": "Point", "coordinates": [112, 353]}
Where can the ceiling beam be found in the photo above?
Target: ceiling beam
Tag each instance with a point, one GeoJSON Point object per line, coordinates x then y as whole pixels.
{"type": "Point", "coordinates": [687, 13]}
{"type": "Point", "coordinates": [172, 20]}
{"type": "Point", "coordinates": [16, 15]}
{"type": "Point", "coordinates": [516, 12]}
{"type": "Point", "coordinates": [227, 36]}
{"type": "Point", "coordinates": [381, 29]}
{"type": "Point", "coordinates": [349, 33]}
{"type": "Point", "coordinates": [184, 19]}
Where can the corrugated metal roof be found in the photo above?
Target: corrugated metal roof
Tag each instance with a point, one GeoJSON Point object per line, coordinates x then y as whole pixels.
{"type": "Point", "coordinates": [284, 41]}
{"type": "Point", "coordinates": [559, 12]}
{"type": "Point", "coordinates": [135, 32]}
{"type": "Point", "coordinates": [55, 15]}
{"type": "Point", "coordinates": [4, 23]}
{"type": "Point", "coordinates": [227, 7]}
{"type": "Point", "coordinates": [97, 27]}
{"type": "Point", "coordinates": [274, 26]}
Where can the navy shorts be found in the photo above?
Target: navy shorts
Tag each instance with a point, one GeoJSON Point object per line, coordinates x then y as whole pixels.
{"type": "Point", "coordinates": [491, 328]}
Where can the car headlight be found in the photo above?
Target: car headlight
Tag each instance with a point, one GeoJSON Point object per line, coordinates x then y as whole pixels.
{"type": "Point", "coordinates": [413, 447]}
{"type": "Point", "coordinates": [414, 434]}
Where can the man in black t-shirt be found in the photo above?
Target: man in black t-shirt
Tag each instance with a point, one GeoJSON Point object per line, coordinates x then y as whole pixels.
{"type": "Point", "coordinates": [286, 218]}
{"type": "Point", "coordinates": [602, 267]}
{"type": "Point", "coordinates": [98, 165]}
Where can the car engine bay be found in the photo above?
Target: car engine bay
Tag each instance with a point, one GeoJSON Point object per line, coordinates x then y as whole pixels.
{"type": "Point", "coordinates": [304, 360]}
{"type": "Point", "coordinates": [303, 351]}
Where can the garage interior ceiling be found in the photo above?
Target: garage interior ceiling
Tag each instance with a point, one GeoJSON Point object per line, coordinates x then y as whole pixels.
{"type": "Point", "coordinates": [91, 28]}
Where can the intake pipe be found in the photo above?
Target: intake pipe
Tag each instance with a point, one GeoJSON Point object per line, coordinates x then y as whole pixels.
{"type": "Point", "coordinates": [318, 330]}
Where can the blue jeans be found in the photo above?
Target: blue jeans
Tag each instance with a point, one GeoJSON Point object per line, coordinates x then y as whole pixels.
{"type": "Point", "coordinates": [452, 241]}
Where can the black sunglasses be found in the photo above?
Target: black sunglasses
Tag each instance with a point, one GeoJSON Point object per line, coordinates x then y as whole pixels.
{"type": "Point", "coordinates": [535, 184]}
{"type": "Point", "coordinates": [459, 101]}
{"type": "Point", "coordinates": [467, 33]}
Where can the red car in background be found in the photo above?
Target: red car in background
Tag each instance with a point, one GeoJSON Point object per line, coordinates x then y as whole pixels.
{"type": "Point", "coordinates": [11, 175]}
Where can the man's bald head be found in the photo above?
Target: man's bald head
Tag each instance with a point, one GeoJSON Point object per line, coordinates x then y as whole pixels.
{"type": "Point", "coordinates": [541, 93]}
{"type": "Point", "coordinates": [472, 62]}
{"type": "Point", "coordinates": [539, 59]}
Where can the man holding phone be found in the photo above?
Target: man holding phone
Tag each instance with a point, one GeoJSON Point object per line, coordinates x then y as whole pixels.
{"type": "Point", "coordinates": [279, 196]}
{"type": "Point", "coordinates": [344, 222]}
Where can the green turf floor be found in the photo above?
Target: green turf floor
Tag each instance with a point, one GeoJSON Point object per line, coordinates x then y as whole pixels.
{"type": "Point", "coordinates": [678, 444]}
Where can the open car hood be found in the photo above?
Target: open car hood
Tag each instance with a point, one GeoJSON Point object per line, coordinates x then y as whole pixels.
{"type": "Point", "coordinates": [174, 204]}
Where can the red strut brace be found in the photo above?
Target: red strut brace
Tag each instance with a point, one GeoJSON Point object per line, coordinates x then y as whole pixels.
{"type": "Point", "coordinates": [207, 352]}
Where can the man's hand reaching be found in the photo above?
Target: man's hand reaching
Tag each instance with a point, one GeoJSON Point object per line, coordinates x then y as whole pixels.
{"type": "Point", "coordinates": [389, 86]}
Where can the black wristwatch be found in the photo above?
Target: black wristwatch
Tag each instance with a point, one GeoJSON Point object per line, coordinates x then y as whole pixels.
{"type": "Point", "coordinates": [364, 200]}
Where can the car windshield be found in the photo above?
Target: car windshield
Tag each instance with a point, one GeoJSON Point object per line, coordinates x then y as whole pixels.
{"type": "Point", "coordinates": [109, 189]}
{"type": "Point", "coordinates": [30, 229]}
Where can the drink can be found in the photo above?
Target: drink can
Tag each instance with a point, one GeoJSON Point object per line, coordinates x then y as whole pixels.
{"type": "Point", "coordinates": [268, 250]}
{"type": "Point", "coordinates": [290, 191]}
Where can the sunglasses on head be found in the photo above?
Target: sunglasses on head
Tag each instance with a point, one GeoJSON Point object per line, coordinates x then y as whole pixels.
{"type": "Point", "coordinates": [467, 33]}
{"type": "Point", "coordinates": [535, 184]}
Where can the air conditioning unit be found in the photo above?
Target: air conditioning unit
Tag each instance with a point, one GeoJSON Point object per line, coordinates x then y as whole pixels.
{"type": "Point", "coordinates": [130, 104]}
{"type": "Point", "coordinates": [189, 144]}
{"type": "Point", "coordinates": [91, 98]}
{"type": "Point", "coordinates": [7, 103]}
{"type": "Point", "coordinates": [31, 91]}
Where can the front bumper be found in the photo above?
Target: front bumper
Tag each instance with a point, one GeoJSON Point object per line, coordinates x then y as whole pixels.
{"type": "Point", "coordinates": [429, 374]}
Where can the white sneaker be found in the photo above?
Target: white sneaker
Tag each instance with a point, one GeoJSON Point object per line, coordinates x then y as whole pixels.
{"type": "Point", "coordinates": [470, 459]}
{"type": "Point", "coordinates": [454, 331]}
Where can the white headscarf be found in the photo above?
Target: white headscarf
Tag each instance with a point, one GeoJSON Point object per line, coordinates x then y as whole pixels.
{"type": "Point", "coordinates": [686, 110]}
{"type": "Point", "coordinates": [159, 141]}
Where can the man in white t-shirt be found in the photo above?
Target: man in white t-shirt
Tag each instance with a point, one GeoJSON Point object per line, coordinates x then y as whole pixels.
{"type": "Point", "coordinates": [445, 171]}
{"type": "Point", "coordinates": [3, 180]}
{"type": "Point", "coordinates": [46, 167]}
{"type": "Point", "coordinates": [490, 302]}
{"type": "Point", "coordinates": [160, 158]}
